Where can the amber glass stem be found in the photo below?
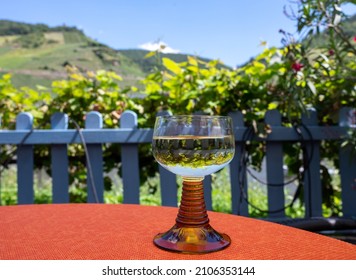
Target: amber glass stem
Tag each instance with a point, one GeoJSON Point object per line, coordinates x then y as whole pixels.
{"type": "Point", "coordinates": [192, 232]}
{"type": "Point", "coordinates": [192, 209]}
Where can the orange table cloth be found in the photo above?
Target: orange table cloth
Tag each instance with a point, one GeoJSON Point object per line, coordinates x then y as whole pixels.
{"type": "Point", "coordinates": [123, 232]}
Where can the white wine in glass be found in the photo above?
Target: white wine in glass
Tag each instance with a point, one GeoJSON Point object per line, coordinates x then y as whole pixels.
{"type": "Point", "coordinates": [193, 146]}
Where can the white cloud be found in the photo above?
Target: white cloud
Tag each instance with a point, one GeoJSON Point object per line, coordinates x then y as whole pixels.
{"type": "Point", "coordinates": [161, 46]}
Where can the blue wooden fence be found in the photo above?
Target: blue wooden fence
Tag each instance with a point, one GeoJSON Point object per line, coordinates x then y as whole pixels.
{"type": "Point", "coordinates": [129, 136]}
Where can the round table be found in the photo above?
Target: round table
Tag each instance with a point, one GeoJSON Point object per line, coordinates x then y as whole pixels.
{"type": "Point", "coordinates": [125, 231]}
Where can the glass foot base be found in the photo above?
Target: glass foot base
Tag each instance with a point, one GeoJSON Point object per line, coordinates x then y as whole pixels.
{"type": "Point", "coordinates": [194, 240]}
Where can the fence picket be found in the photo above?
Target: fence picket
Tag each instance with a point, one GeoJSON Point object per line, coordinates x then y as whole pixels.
{"type": "Point", "coordinates": [275, 176]}
{"type": "Point", "coordinates": [59, 162]}
{"type": "Point", "coordinates": [238, 176]}
{"type": "Point", "coordinates": [129, 160]}
{"type": "Point", "coordinates": [25, 195]}
{"type": "Point", "coordinates": [312, 182]}
{"type": "Point", "coordinates": [95, 174]}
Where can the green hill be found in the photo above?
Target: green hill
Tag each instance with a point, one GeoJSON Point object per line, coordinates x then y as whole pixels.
{"type": "Point", "coordinates": [37, 54]}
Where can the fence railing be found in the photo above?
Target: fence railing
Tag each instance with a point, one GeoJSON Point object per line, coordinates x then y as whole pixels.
{"type": "Point", "coordinates": [129, 136]}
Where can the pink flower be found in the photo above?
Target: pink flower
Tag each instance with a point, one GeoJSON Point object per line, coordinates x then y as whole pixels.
{"type": "Point", "coordinates": [331, 52]}
{"type": "Point", "coordinates": [355, 39]}
{"type": "Point", "coordinates": [296, 66]}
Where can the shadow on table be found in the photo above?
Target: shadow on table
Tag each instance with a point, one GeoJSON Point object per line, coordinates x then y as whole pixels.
{"type": "Point", "coordinates": [340, 228]}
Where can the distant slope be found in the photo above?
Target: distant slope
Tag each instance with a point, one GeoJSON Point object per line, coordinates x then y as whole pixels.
{"type": "Point", "coordinates": [9, 27]}
{"type": "Point", "coordinates": [37, 54]}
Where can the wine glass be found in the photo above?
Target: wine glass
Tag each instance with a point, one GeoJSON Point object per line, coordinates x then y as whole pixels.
{"type": "Point", "coordinates": [193, 146]}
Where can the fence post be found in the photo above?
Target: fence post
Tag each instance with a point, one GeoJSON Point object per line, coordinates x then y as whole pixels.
{"type": "Point", "coordinates": [274, 162]}
{"type": "Point", "coordinates": [25, 195]}
{"type": "Point", "coordinates": [94, 120]}
{"type": "Point", "coordinates": [168, 180]}
{"type": "Point", "coordinates": [347, 166]}
{"type": "Point", "coordinates": [130, 164]}
{"type": "Point", "coordinates": [312, 182]}
{"type": "Point", "coordinates": [59, 162]}
{"type": "Point", "coordinates": [238, 176]}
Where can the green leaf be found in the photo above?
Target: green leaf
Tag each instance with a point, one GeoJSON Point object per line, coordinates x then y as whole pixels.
{"type": "Point", "coordinates": [7, 77]}
{"type": "Point", "coordinates": [150, 54]}
{"type": "Point", "coordinates": [192, 61]}
{"type": "Point", "coordinates": [259, 65]}
{"type": "Point", "coordinates": [272, 105]}
{"type": "Point", "coordinates": [114, 76]}
{"type": "Point", "coordinates": [40, 87]}
{"type": "Point", "coordinates": [171, 65]}
{"type": "Point", "coordinates": [193, 69]}
{"type": "Point", "coordinates": [190, 105]}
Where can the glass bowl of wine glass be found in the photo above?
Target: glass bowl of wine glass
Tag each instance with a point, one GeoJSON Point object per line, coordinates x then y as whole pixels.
{"type": "Point", "coordinates": [193, 146]}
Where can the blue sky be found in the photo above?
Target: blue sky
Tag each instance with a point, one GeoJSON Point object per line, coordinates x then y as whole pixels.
{"type": "Point", "coordinates": [229, 30]}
